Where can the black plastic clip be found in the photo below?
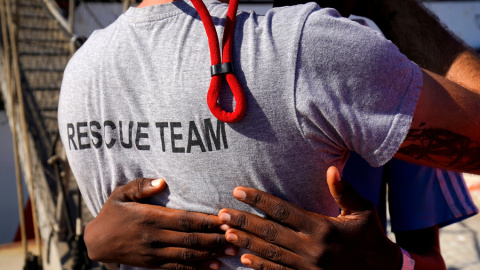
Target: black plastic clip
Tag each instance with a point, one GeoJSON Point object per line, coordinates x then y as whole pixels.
{"type": "Point", "coordinates": [222, 68]}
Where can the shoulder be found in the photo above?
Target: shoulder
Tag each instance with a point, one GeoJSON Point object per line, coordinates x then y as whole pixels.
{"type": "Point", "coordinates": [295, 17]}
{"type": "Point", "coordinates": [89, 56]}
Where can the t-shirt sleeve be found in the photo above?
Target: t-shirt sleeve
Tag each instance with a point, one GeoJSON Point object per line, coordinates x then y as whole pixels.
{"type": "Point", "coordinates": [354, 89]}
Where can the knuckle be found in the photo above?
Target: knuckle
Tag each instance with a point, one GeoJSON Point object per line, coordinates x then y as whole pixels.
{"type": "Point", "coordinates": [148, 243]}
{"type": "Point", "coordinates": [273, 253]}
{"type": "Point", "coordinates": [246, 243]}
{"type": "Point", "coordinates": [268, 266]}
{"type": "Point", "coordinates": [185, 222]}
{"type": "Point", "coordinates": [191, 240]}
{"type": "Point", "coordinates": [120, 193]}
{"type": "Point", "coordinates": [212, 253]}
{"type": "Point", "coordinates": [205, 224]}
{"type": "Point", "coordinates": [186, 255]}
{"type": "Point", "coordinates": [280, 212]}
{"type": "Point", "coordinates": [138, 188]}
{"type": "Point", "coordinates": [187, 267]}
{"type": "Point", "coordinates": [242, 221]}
{"type": "Point", "coordinates": [269, 232]}
{"type": "Point", "coordinates": [279, 267]}
{"type": "Point", "coordinates": [182, 267]}
{"type": "Point", "coordinates": [257, 197]}
{"type": "Point", "coordinates": [219, 240]}
{"type": "Point", "coordinates": [116, 192]}
{"type": "Point", "coordinates": [147, 221]}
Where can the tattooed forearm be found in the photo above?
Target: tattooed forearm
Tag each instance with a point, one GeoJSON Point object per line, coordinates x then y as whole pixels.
{"type": "Point", "coordinates": [442, 147]}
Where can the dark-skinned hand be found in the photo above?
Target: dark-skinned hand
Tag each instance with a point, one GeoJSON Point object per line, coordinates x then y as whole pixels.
{"type": "Point", "coordinates": [129, 232]}
{"type": "Point", "coordinates": [292, 238]}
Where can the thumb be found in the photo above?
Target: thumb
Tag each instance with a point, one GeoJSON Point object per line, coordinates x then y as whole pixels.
{"type": "Point", "coordinates": [139, 189]}
{"type": "Point", "coordinates": [347, 198]}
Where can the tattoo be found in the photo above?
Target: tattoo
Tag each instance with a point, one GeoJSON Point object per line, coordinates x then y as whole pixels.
{"type": "Point", "coordinates": [444, 148]}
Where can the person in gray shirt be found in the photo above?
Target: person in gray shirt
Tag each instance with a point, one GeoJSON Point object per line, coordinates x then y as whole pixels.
{"type": "Point", "coordinates": [317, 86]}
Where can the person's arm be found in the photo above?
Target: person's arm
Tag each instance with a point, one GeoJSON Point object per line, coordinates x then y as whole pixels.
{"type": "Point", "coordinates": [412, 189]}
{"type": "Point", "coordinates": [445, 129]}
{"type": "Point", "coordinates": [423, 246]}
{"type": "Point", "coordinates": [126, 231]}
{"type": "Point", "coordinates": [292, 238]}
{"type": "Point", "coordinates": [297, 239]}
{"type": "Point", "coordinates": [419, 203]}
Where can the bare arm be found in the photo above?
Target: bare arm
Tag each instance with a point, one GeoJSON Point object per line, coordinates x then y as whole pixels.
{"type": "Point", "coordinates": [445, 131]}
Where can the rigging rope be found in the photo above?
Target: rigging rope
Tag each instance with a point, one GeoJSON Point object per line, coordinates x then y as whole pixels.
{"type": "Point", "coordinates": [18, 87]}
{"type": "Point", "coordinates": [6, 56]}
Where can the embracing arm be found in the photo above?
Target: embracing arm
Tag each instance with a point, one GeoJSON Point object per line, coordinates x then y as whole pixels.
{"type": "Point", "coordinates": [127, 231]}
{"type": "Point", "coordinates": [445, 131]}
{"type": "Point", "coordinates": [293, 238]}
{"type": "Point", "coordinates": [446, 127]}
{"type": "Point", "coordinates": [423, 246]}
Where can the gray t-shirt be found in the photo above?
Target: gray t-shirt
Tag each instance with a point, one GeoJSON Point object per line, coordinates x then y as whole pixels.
{"type": "Point", "coordinates": [133, 104]}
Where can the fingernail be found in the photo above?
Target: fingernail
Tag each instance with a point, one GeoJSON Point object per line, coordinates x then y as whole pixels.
{"type": "Point", "coordinates": [239, 194]}
{"type": "Point", "coordinates": [224, 217]}
{"type": "Point", "coordinates": [214, 265]}
{"type": "Point", "coordinates": [231, 237]}
{"type": "Point", "coordinates": [156, 182]}
{"type": "Point", "coordinates": [224, 227]}
{"type": "Point", "coordinates": [230, 251]}
{"type": "Point", "coordinates": [245, 261]}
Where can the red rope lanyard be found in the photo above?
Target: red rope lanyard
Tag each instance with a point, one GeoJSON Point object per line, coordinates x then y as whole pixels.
{"type": "Point", "coordinates": [224, 68]}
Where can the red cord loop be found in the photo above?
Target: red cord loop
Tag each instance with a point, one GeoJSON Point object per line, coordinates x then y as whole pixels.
{"type": "Point", "coordinates": [224, 67]}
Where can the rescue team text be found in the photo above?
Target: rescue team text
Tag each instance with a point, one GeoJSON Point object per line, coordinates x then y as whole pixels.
{"type": "Point", "coordinates": [170, 136]}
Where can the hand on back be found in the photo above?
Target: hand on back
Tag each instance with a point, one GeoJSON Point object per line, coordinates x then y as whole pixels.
{"type": "Point", "coordinates": [127, 231]}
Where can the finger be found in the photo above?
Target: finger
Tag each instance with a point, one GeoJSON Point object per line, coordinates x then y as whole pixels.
{"type": "Point", "coordinates": [189, 254]}
{"type": "Point", "coordinates": [209, 264]}
{"type": "Point", "coordinates": [165, 238]}
{"type": "Point", "coordinates": [154, 216]}
{"type": "Point", "coordinates": [139, 188]}
{"type": "Point", "coordinates": [264, 249]}
{"type": "Point", "coordinates": [265, 229]}
{"type": "Point", "coordinates": [256, 262]}
{"type": "Point", "coordinates": [274, 207]}
{"type": "Point", "coordinates": [347, 198]}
